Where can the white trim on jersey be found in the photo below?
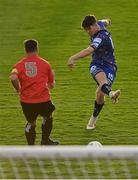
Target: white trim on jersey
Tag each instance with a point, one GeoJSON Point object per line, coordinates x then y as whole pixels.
{"type": "Point", "coordinates": [96, 42]}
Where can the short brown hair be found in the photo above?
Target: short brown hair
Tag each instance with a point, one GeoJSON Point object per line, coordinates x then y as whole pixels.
{"type": "Point", "coordinates": [31, 45]}
{"type": "Point", "coordinates": [89, 21]}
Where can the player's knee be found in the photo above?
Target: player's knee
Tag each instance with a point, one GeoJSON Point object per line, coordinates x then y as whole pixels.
{"type": "Point", "coordinates": [99, 93]}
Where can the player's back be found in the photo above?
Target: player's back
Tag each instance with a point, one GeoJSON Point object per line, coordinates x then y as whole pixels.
{"type": "Point", "coordinates": [34, 74]}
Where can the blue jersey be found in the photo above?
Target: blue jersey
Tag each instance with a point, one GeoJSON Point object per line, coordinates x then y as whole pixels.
{"type": "Point", "coordinates": [104, 49]}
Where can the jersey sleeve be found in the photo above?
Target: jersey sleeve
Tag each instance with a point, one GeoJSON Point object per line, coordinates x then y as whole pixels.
{"type": "Point", "coordinates": [50, 75]}
{"type": "Point", "coordinates": [15, 70]}
{"type": "Point", "coordinates": [97, 42]}
{"type": "Point", "coordinates": [14, 73]}
{"type": "Point", "coordinates": [102, 24]}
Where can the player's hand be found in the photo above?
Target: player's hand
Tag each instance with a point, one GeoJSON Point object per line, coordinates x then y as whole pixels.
{"type": "Point", "coordinates": [71, 63]}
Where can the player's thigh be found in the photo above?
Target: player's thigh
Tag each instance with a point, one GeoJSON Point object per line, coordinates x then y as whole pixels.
{"type": "Point", "coordinates": [110, 75]}
{"type": "Point", "coordinates": [30, 112]}
{"type": "Point", "coordinates": [46, 109]}
{"type": "Point", "coordinates": [98, 74]}
{"type": "Point", "coordinates": [103, 74]}
{"type": "Point", "coordinates": [101, 78]}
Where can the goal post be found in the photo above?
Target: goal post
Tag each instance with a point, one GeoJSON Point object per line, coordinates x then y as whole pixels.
{"type": "Point", "coordinates": [68, 162]}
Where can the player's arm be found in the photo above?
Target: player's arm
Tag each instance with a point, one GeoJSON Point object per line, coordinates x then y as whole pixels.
{"type": "Point", "coordinates": [81, 54]}
{"type": "Point", "coordinates": [51, 79]}
{"type": "Point", "coordinates": [14, 80]}
{"type": "Point", "coordinates": [106, 22]}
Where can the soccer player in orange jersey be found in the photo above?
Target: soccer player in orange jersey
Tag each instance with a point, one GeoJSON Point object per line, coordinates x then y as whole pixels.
{"type": "Point", "coordinates": [32, 77]}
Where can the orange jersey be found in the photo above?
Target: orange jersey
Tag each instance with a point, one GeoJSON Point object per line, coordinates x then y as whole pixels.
{"type": "Point", "coordinates": [34, 74]}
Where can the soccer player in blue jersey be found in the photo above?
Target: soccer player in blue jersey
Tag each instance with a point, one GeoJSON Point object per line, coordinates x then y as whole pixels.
{"type": "Point", "coordinates": [103, 66]}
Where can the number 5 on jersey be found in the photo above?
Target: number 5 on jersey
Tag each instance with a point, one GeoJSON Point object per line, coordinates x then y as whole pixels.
{"type": "Point", "coordinates": [31, 69]}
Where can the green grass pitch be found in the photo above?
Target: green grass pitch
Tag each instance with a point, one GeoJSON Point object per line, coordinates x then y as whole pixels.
{"type": "Point", "coordinates": [56, 25]}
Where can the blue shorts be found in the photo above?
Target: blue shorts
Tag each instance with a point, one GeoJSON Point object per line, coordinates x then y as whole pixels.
{"type": "Point", "coordinates": [110, 73]}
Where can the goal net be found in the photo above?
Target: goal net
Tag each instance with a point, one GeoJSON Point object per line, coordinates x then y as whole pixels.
{"type": "Point", "coordinates": [68, 162]}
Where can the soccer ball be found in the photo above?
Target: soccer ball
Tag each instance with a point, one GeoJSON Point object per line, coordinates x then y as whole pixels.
{"type": "Point", "coordinates": [95, 144]}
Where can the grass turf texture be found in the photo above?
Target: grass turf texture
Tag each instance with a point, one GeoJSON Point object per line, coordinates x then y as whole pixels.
{"type": "Point", "coordinates": [79, 168]}
{"type": "Point", "coordinates": [56, 25]}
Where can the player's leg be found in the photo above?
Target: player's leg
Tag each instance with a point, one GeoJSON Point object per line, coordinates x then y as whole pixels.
{"type": "Point", "coordinates": [30, 113]}
{"type": "Point", "coordinates": [98, 105]}
{"type": "Point", "coordinates": [47, 124]}
{"type": "Point", "coordinates": [105, 76]}
{"type": "Point", "coordinates": [105, 80]}
{"type": "Point", "coordinates": [99, 101]}
{"type": "Point", "coordinates": [104, 88]}
{"type": "Point", "coordinates": [30, 132]}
